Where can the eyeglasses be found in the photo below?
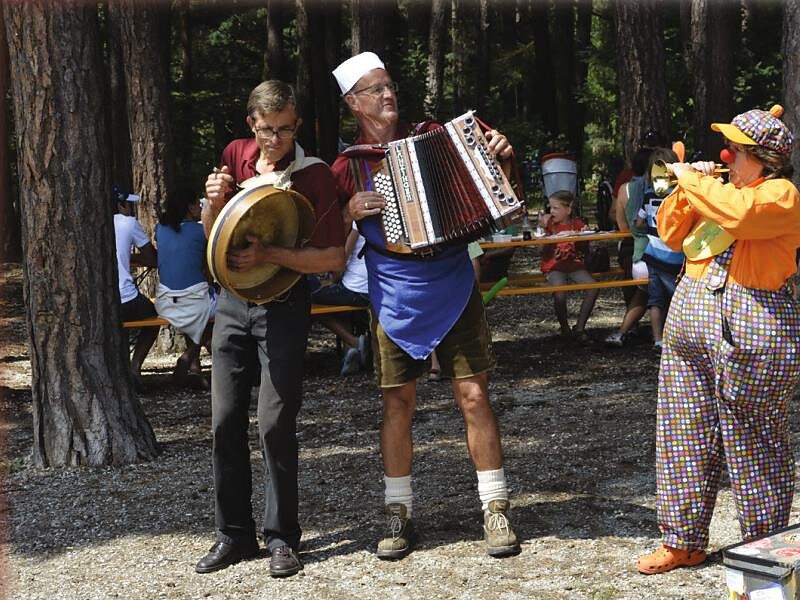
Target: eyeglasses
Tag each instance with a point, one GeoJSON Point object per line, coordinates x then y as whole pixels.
{"type": "Point", "coordinates": [377, 89]}
{"type": "Point", "coordinates": [283, 133]}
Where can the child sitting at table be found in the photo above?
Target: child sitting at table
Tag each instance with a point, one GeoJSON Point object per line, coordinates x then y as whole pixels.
{"type": "Point", "coordinates": [565, 261]}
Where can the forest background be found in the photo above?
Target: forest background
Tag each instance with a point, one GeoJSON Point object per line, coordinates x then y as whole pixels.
{"type": "Point", "coordinates": [146, 95]}
{"type": "Point", "coordinates": [555, 76]}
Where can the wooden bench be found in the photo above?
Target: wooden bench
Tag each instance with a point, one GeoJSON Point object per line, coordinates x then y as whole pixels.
{"type": "Point", "coordinates": [529, 279]}
{"type": "Point", "coordinates": [316, 309]}
{"type": "Point", "coordinates": [526, 284]}
{"type": "Point", "coordinates": [570, 287]}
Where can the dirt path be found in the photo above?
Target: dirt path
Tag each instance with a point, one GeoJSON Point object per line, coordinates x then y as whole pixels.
{"type": "Point", "coordinates": [577, 424]}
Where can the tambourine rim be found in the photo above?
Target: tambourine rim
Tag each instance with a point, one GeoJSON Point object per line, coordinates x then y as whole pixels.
{"type": "Point", "coordinates": [242, 202]}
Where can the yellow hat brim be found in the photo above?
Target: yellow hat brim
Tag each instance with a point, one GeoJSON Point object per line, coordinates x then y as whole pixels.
{"type": "Point", "coordinates": [733, 133]}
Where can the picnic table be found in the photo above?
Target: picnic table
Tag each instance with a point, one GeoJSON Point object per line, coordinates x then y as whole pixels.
{"type": "Point", "coordinates": [524, 284]}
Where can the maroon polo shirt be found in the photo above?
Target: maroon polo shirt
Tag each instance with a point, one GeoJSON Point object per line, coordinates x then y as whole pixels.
{"type": "Point", "coordinates": [316, 183]}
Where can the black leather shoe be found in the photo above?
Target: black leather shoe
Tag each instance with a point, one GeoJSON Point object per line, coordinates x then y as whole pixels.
{"type": "Point", "coordinates": [223, 554]}
{"type": "Point", "coordinates": [284, 562]}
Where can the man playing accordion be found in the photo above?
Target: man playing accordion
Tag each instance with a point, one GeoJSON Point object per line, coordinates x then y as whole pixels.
{"type": "Point", "coordinates": [421, 303]}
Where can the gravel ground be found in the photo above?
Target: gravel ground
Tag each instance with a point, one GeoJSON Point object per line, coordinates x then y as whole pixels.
{"type": "Point", "coordinates": [578, 430]}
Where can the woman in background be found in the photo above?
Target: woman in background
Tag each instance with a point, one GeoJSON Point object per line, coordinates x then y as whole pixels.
{"type": "Point", "coordinates": [184, 297]}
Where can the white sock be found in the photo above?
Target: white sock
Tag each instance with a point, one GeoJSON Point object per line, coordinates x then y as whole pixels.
{"type": "Point", "coordinates": [492, 486]}
{"type": "Point", "coordinates": [398, 489]}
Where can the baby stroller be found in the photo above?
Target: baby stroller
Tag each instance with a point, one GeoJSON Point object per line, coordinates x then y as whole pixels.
{"type": "Point", "coordinates": [560, 172]}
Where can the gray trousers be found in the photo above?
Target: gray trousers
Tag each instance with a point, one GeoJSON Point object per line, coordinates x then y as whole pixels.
{"type": "Point", "coordinates": [265, 346]}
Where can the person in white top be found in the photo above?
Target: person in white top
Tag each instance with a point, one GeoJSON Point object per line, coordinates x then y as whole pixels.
{"type": "Point", "coordinates": [350, 289]}
{"type": "Point", "coordinates": [134, 306]}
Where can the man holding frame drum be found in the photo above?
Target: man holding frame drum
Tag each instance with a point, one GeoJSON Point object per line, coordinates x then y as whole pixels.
{"type": "Point", "coordinates": [421, 303]}
{"type": "Point", "coordinates": [268, 337]}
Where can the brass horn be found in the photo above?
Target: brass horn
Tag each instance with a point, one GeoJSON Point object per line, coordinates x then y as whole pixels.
{"type": "Point", "coordinates": [275, 216]}
{"type": "Point", "coordinates": [663, 178]}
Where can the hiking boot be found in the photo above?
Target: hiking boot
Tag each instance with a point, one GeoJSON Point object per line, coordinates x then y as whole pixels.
{"type": "Point", "coordinates": [500, 538]}
{"type": "Point", "coordinates": [399, 536]}
{"type": "Point", "coordinates": [665, 559]}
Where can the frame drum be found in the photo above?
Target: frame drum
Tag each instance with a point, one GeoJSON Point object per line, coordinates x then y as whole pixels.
{"type": "Point", "coordinates": [275, 216]}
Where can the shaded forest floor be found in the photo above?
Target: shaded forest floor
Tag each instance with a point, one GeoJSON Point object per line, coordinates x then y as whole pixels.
{"type": "Point", "coordinates": [578, 431]}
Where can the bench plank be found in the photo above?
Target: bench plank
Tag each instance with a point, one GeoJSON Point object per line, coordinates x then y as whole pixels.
{"type": "Point", "coordinates": [527, 279]}
{"type": "Point", "coordinates": [316, 309]}
{"type": "Point", "coordinates": [571, 287]}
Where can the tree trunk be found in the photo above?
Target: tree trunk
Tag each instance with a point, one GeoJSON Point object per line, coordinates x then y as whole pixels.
{"type": "Point", "coordinates": [307, 136]}
{"type": "Point", "coordinates": [791, 76]}
{"type": "Point", "coordinates": [563, 61]}
{"type": "Point", "coordinates": [318, 21]}
{"type": "Point", "coordinates": [273, 56]}
{"type": "Point", "coordinates": [145, 35]}
{"type": "Point", "coordinates": [117, 108]}
{"type": "Point", "coordinates": [10, 248]}
{"type": "Point", "coordinates": [463, 45]}
{"type": "Point", "coordinates": [544, 78]}
{"type": "Point", "coordinates": [184, 113]}
{"type": "Point", "coordinates": [325, 23]}
{"type": "Point", "coordinates": [145, 45]}
{"type": "Point", "coordinates": [641, 69]}
{"type": "Point", "coordinates": [437, 43]}
{"type": "Point", "coordinates": [714, 27]}
{"type": "Point", "coordinates": [368, 27]}
{"type": "Point", "coordinates": [580, 71]}
{"type": "Point", "coordinates": [84, 409]}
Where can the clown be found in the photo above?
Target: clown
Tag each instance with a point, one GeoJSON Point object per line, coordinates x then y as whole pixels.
{"type": "Point", "coordinates": [731, 356]}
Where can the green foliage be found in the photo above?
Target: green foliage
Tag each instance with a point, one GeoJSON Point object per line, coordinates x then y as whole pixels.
{"type": "Point", "coordinates": [599, 95]}
{"type": "Point", "coordinates": [227, 59]}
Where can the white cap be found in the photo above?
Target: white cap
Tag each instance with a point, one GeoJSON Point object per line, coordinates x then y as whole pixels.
{"type": "Point", "coordinates": [354, 68]}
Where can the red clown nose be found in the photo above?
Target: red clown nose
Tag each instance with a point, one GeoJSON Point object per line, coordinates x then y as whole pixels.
{"type": "Point", "coordinates": [727, 156]}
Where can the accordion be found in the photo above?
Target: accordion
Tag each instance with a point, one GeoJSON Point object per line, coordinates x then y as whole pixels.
{"type": "Point", "coordinates": [442, 186]}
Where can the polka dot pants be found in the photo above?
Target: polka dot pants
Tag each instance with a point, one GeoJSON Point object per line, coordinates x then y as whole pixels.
{"type": "Point", "coordinates": [730, 363]}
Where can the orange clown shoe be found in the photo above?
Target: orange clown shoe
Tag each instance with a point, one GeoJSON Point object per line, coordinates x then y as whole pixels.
{"type": "Point", "coordinates": [665, 559]}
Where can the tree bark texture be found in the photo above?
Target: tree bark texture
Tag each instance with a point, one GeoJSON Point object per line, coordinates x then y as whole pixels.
{"type": "Point", "coordinates": [437, 42]}
{"type": "Point", "coordinates": [144, 27]}
{"type": "Point", "coordinates": [185, 113]}
{"type": "Point", "coordinates": [580, 71]}
{"type": "Point", "coordinates": [564, 62]}
{"type": "Point", "coordinates": [325, 23]}
{"type": "Point", "coordinates": [791, 77]}
{"type": "Point", "coordinates": [84, 409]}
{"type": "Point", "coordinates": [318, 23]}
{"type": "Point", "coordinates": [274, 65]}
{"type": "Point", "coordinates": [10, 244]}
{"type": "Point", "coordinates": [641, 71]}
{"type": "Point", "coordinates": [368, 27]}
{"type": "Point", "coordinates": [463, 31]}
{"type": "Point", "coordinates": [714, 28]}
{"type": "Point", "coordinates": [118, 109]}
{"type": "Point", "coordinates": [543, 80]}
{"type": "Point", "coordinates": [304, 83]}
